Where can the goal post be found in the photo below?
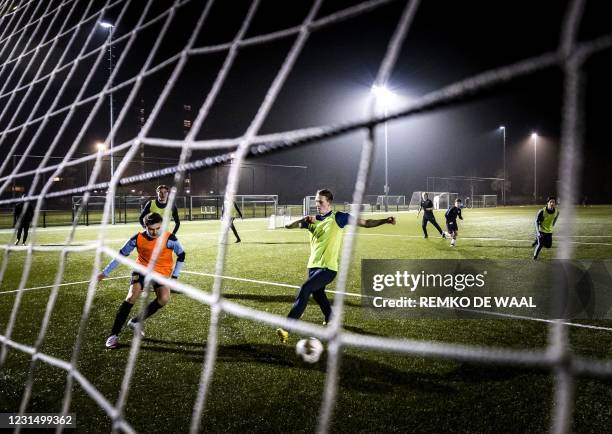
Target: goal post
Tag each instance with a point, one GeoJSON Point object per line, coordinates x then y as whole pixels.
{"type": "Point", "coordinates": [127, 208]}
{"type": "Point", "coordinates": [282, 217]}
{"type": "Point", "coordinates": [250, 205]}
{"type": "Point", "coordinates": [482, 201]}
{"type": "Point", "coordinates": [440, 199]}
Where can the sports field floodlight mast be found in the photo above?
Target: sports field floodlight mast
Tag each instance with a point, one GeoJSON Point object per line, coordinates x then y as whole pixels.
{"type": "Point", "coordinates": [110, 28]}
{"type": "Point", "coordinates": [383, 98]}
{"type": "Point", "coordinates": [534, 136]}
{"type": "Point", "coordinates": [503, 130]}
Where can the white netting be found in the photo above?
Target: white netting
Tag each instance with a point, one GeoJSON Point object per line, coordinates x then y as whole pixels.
{"type": "Point", "coordinates": [482, 201]}
{"type": "Point", "coordinates": [26, 34]}
{"type": "Point", "coordinates": [250, 205]}
{"type": "Point", "coordinates": [440, 199]}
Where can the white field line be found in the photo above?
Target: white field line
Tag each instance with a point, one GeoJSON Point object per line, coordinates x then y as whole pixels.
{"type": "Point", "coordinates": [263, 282]}
{"type": "Point", "coordinates": [90, 244]}
{"type": "Point", "coordinates": [61, 284]}
{"type": "Point", "coordinates": [121, 226]}
{"type": "Point", "coordinates": [350, 294]}
{"type": "Point", "coordinates": [484, 238]}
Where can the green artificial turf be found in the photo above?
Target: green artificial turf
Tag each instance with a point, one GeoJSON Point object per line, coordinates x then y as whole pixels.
{"type": "Point", "coordinates": [259, 384]}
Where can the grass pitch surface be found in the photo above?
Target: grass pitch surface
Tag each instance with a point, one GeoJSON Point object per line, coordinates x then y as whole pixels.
{"type": "Point", "coordinates": [259, 384]}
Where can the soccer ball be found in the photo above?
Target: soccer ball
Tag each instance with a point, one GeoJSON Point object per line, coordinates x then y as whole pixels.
{"type": "Point", "coordinates": [309, 350]}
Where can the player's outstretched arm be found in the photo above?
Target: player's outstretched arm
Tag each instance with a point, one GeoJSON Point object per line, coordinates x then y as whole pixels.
{"type": "Point", "coordinates": [372, 223]}
{"type": "Point", "coordinates": [127, 248]}
{"type": "Point", "coordinates": [306, 220]}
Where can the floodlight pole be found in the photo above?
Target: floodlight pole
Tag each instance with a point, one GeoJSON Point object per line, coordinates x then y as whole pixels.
{"type": "Point", "coordinates": [382, 96]}
{"type": "Point", "coordinates": [386, 164]}
{"type": "Point", "coordinates": [503, 129]}
{"type": "Point", "coordinates": [535, 168]}
{"type": "Point", "coordinates": [111, 28]}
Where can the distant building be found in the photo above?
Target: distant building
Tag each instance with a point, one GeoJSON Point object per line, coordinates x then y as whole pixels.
{"type": "Point", "coordinates": [187, 119]}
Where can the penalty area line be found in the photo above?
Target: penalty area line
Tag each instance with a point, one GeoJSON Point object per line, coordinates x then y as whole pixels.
{"type": "Point", "coordinates": [482, 239]}
{"type": "Point", "coordinates": [353, 294]}
{"type": "Point", "coordinates": [350, 294]}
{"type": "Point", "coordinates": [264, 282]}
{"type": "Point", "coordinates": [61, 284]}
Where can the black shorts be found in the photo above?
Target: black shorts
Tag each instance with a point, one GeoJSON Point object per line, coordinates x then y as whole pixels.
{"type": "Point", "coordinates": [545, 240]}
{"type": "Point", "coordinates": [139, 278]}
{"type": "Point", "coordinates": [452, 226]}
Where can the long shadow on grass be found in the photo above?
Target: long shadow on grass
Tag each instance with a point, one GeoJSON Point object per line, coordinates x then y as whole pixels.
{"type": "Point", "coordinates": [289, 299]}
{"type": "Point", "coordinates": [357, 373]}
{"type": "Point", "coordinates": [497, 246]}
{"type": "Point", "coordinates": [260, 353]}
{"type": "Point", "coordinates": [274, 242]}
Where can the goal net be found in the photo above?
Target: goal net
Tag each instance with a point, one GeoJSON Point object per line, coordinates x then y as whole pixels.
{"type": "Point", "coordinates": [474, 191]}
{"type": "Point", "coordinates": [440, 199]}
{"type": "Point", "coordinates": [74, 70]}
{"type": "Point", "coordinates": [127, 208]}
{"type": "Point", "coordinates": [250, 205]}
{"type": "Point", "coordinates": [281, 218]}
{"type": "Point", "coordinates": [482, 201]}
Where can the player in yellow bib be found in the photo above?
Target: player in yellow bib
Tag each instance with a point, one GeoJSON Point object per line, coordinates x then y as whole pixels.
{"type": "Point", "coordinates": [544, 223]}
{"type": "Point", "coordinates": [325, 231]}
{"type": "Point", "coordinates": [158, 206]}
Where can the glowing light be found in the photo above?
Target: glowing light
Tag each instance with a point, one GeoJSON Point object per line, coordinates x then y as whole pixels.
{"type": "Point", "coordinates": [383, 95]}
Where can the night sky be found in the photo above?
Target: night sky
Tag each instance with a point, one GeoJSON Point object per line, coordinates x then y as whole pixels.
{"type": "Point", "coordinates": [448, 42]}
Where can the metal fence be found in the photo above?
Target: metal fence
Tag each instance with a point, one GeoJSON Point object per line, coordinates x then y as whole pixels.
{"type": "Point", "coordinates": [250, 205]}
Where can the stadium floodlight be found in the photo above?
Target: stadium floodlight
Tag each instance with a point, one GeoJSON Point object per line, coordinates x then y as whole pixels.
{"type": "Point", "coordinates": [503, 130]}
{"type": "Point", "coordinates": [106, 25]}
{"type": "Point", "coordinates": [534, 136]}
{"type": "Point", "coordinates": [101, 147]}
{"type": "Point", "coordinates": [383, 97]}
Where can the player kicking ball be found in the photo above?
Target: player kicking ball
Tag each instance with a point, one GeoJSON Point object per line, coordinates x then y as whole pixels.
{"type": "Point", "coordinates": [144, 243]}
{"type": "Point", "coordinates": [544, 223]}
{"type": "Point", "coordinates": [325, 230]}
{"type": "Point", "coordinates": [451, 221]}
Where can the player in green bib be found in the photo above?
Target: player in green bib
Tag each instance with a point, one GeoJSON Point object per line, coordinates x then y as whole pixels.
{"type": "Point", "coordinates": [544, 223]}
{"type": "Point", "coordinates": [325, 231]}
{"type": "Point", "coordinates": [158, 206]}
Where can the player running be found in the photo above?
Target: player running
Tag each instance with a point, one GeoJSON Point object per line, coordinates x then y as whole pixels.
{"type": "Point", "coordinates": [144, 243]}
{"type": "Point", "coordinates": [428, 216]}
{"type": "Point", "coordinates": [158, 206]}
{"type": "Point", "coordinates": [325, 232]}
{"type": "Point", "coordinates": [22, 218]}
{"type": "Point", "coordinates": [451, 220]}
{"type": "Point", "coordinates": [234, 211]}
{"type": "Point", "coordinates": [544, 223]}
